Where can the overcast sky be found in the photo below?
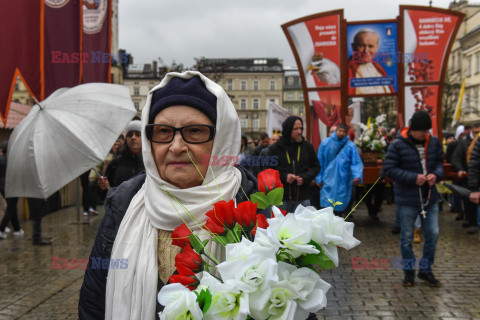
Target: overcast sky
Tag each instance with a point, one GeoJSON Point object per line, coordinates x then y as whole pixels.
{"type": "Point", "coordinates": [182, 30]}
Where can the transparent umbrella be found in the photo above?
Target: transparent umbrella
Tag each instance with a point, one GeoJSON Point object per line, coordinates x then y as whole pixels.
{"type": "Point", "coordinates": [65, 135]}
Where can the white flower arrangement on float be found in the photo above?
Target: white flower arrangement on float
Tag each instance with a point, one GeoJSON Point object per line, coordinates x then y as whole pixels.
{"type": "Point", "coordinates": [370, 139]}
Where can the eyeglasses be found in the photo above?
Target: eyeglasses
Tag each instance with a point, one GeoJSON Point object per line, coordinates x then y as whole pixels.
{"type": "Point", "coordinates": [193, 134]}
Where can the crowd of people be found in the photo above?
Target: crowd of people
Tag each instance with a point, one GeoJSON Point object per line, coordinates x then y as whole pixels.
{"type": "Point", "coordinates": [162, 156]}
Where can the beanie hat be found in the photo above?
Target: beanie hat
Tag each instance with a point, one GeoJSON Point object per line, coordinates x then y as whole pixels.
{"type": "Point", "coordinates": [135, 125]}
{"type": "Point", "coordinates": [287, 126]}
{"type": "Point", "coordinates": [184, 92]}
{"type": "Point", "coordinates": [420, 121]}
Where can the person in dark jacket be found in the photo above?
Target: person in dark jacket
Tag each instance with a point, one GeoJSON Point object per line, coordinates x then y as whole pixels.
{"type": "Point", "coordinates": [474, 181]}
{"type": "Point", "coordinates": [129, 163]}
{"type": "Point", "coordinates": [414, 161]}
{"type": "Point", "coordinates": [11, 211]}
{"type": "Point", "coordinates": [187, 116]}
{"type": "Point", "coordinates": [297, 163]}
{"type": "Point", "coordinates": [460, 166]}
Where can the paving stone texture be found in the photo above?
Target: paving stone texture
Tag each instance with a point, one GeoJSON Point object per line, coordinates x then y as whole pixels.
{"type": "Point", "coordinates": [362, 288]}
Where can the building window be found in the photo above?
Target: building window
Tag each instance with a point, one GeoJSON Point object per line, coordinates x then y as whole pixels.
{"type": "Point", "coordinates": [136, 91]}
{"type": "Point", "coordinates": [301, 110]}
{"type": "Point", "coordinates": [475, 98]}
{"type": "Point", "coordinates": [243, 122]}
{"type": "Point", "coordinates": [467, 101]}
{"type": "Point", "coordinates": [300, 96]}
{"type": "Point", "coordinates": [469, 66]}
{"type": "Point", "coordinates": [477, 62]}
{"type": "Point", "coordinates": [290, 96]}
{"type": "Point", "coordinates": [230, 85]}
{"type": "Point", "coordinates": [255, 122]}
{"type": "Point", "coordinates": [137, 105]}
{"type": "Point", "coordinates": [244, 85]}
{"type": "Point", "coordinates": [243, 104]}
{"type": "Point", "coordinates": [272, 100]}
{"type": "Point", "coordinates": [459, 62]}
{"type": "Point", "coordinates": [16, 86]}
{"type": "Point", "coordinates": [290, 109]}
{"type": "Point", "coordinates": [135, 82]}
{"type": "Point", "coordinates": [290, 80]}
{"type": "Point", "coordinates": [272, 85]}
{"type": "Point", "coordinates": [255, 104]}
{"type": "Point", "coordinates": [255, 85]}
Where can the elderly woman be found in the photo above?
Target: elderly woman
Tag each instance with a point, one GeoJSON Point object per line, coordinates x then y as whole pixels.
{"type": "Point", "coordinates": [186, 117]}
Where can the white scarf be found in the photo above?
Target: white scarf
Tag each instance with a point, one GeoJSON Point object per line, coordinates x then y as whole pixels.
{"type": "Point", "coordinates": [132, 292]}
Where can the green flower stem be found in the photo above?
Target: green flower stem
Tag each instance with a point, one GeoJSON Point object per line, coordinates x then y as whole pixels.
{"type": "Point", "coordinates": [361, 199]}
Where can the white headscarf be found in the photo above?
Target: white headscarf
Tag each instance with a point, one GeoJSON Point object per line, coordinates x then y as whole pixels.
{"type": "Point", "coordinates": [459, 131]}
{"type": "Point", "coordinates": [131, 292]}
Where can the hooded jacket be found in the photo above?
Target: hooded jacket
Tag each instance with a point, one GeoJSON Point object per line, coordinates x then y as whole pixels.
{"type": "Point", "coordinates": [402, 164]}
{"type": "Point", "coordinates": [296, 158]}
{"type": "Point", "coordinates": [340, 163]}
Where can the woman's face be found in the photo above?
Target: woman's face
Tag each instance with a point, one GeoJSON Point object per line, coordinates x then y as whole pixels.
{"type": "Point", "coordinates": [172, 159]}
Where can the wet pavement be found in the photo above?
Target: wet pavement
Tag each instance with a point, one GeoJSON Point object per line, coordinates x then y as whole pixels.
{"type": "Point", "coordinates": [362, 287]}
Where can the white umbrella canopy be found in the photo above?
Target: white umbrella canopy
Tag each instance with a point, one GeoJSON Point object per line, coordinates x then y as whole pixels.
{"type": "Point", "coordinates": [65, 135]}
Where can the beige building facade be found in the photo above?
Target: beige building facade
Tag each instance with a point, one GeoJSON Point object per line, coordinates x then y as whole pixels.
{"type": "Point", "coordinates": [252, 84]}
{"type": "Point", "coordinates": [464, 61]}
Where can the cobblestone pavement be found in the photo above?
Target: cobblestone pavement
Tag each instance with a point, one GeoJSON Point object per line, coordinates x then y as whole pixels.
{"type": "Point", "coordinates": [31, 289]}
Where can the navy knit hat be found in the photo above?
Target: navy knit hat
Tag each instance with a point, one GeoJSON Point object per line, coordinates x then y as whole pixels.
{"type": "Point", "coordinates": [420, 121]}
{"type": "Point", "coordinates": [184, 92]}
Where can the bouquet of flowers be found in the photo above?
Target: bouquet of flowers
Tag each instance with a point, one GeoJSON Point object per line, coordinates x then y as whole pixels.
{"type": "Point", "coordinates": [272, 266]}
{"type": "Point", "coordinates": [370, 139]}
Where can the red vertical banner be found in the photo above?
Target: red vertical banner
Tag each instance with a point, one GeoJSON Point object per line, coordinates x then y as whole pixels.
{"type": "Point", "coordinates": [315, 42]}
{"type": "Point", "coordinates": [22, 51]}
{"type": "Point", "coordinates": [422, 98]}
{"type": "Point", "coordinates": [428, 35]}
{"type": "Point", "coordinates": [96, 40]}
{"type": "Point", "coordinates": [325, 112]}
{"type": "Point", "coordinates": [62, 44]}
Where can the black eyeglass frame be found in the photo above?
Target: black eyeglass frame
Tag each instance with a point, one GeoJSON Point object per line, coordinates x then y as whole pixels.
{"type": "Point", "coordinates": [149, 132]}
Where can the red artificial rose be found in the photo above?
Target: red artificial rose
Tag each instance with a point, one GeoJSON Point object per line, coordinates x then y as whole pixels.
{"type": "Point", "coordinates": [189, 259]}
{"type": "Point", "coordinates": [268, 180]}
{"type": "Point", "coordinates": [246, 214]}
{"type": "Point", "coordinates": [180, 236]}
{"type": "Point", "coordinates": [185, 277]}
{"type": "Point", "coordinates": [222, 214]}
{"type": "Point", "coordinates": [261, 223]}
{"type": "Point", "coordinates": [212, 227]}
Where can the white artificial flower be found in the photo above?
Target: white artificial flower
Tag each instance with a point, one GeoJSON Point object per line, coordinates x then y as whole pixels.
{"type": "Point", "coordinates": [329, 231]}
{"type": "Point", "coordinates": [290, 233]}
{"type": "Point", "coordinates": [280, 304]}
{"type": "Point", "coordinates": [381, 118]}
{"type": "Point", "coordinates": [363, 127]}
{"type": "Point", "coordinates": [250, 264]}
{"type": "Point", "coordinates": [311, 289]}
{"type": "Point", "coordinates": [228, 302]}
{"type": "Point", "coordinates": [179, 302]}
{"type": "Point", "coordinates": [366, 138]}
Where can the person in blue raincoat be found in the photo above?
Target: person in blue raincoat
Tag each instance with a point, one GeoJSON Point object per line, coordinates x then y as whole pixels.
{"type": "Point", "coordinates": [341, 169]}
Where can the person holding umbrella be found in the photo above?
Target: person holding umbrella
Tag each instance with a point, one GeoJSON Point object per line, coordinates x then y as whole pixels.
{"type": "Point", "coordinates": [186, 117]}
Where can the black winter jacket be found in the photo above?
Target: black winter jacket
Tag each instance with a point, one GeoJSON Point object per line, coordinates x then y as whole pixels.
{"type": "Point", "coordinates": [474, 168]}
{"type": "Point", "coordinates": [123, 167]}
{"type": "Point", "coordinates": [92, 294]}
{"type": "Point", "coordinates": [459, 156]}
{"type": "Point", "coordinates": [402, 164]}
{"type": "Point", "coordinates": [307, 167]}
